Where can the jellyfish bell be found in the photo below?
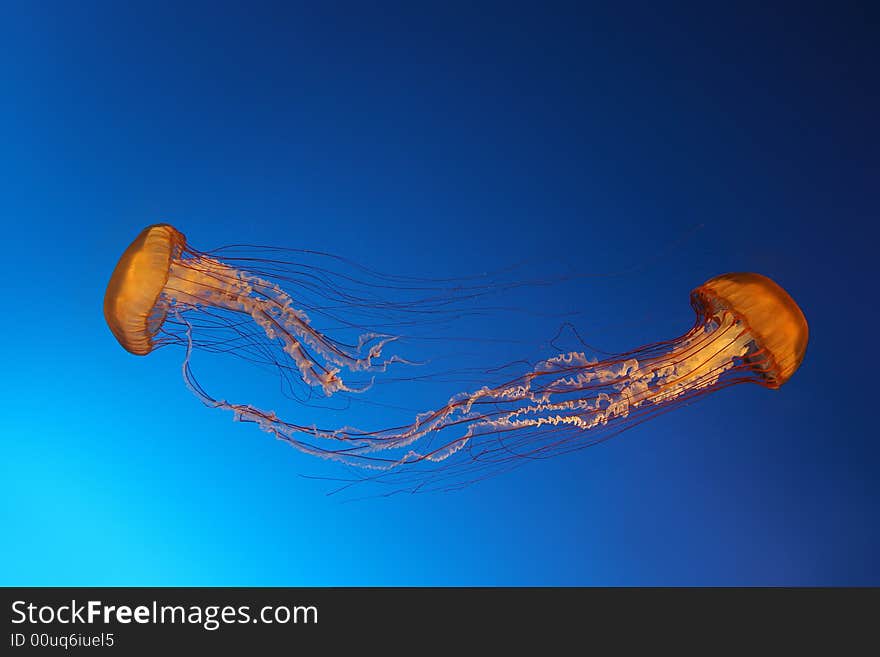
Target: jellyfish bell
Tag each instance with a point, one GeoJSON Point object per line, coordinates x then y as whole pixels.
{"type": "Point", "coordinates": [770, 316]}
{"type": "Point", "coordinates": [133, 307]}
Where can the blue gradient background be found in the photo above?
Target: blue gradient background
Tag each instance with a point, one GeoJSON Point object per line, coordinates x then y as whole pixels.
{"type": "Point", "coordinates": [682, 143]}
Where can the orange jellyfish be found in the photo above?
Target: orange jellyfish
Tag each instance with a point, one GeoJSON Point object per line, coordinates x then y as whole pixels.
{"type": "Point", "coordinates": [747, 329]}
{"type": "Point", "coordinates": [160, 277]}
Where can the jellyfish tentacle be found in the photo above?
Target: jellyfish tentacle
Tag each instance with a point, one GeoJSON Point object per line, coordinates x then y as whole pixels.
{"type": "Point", "coordinates": [203, 281]}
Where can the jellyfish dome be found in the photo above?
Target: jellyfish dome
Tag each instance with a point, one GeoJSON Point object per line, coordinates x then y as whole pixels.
{"type": "Point", "coordinates": [772, 318]}
{"type": "Point", "coordinates": [132, 305]}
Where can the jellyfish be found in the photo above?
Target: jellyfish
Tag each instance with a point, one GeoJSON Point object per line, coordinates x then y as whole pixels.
{"type": "Point", "coordinates": [747, 329]}
{"type": "Point", "coordinates": [160, 274]}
